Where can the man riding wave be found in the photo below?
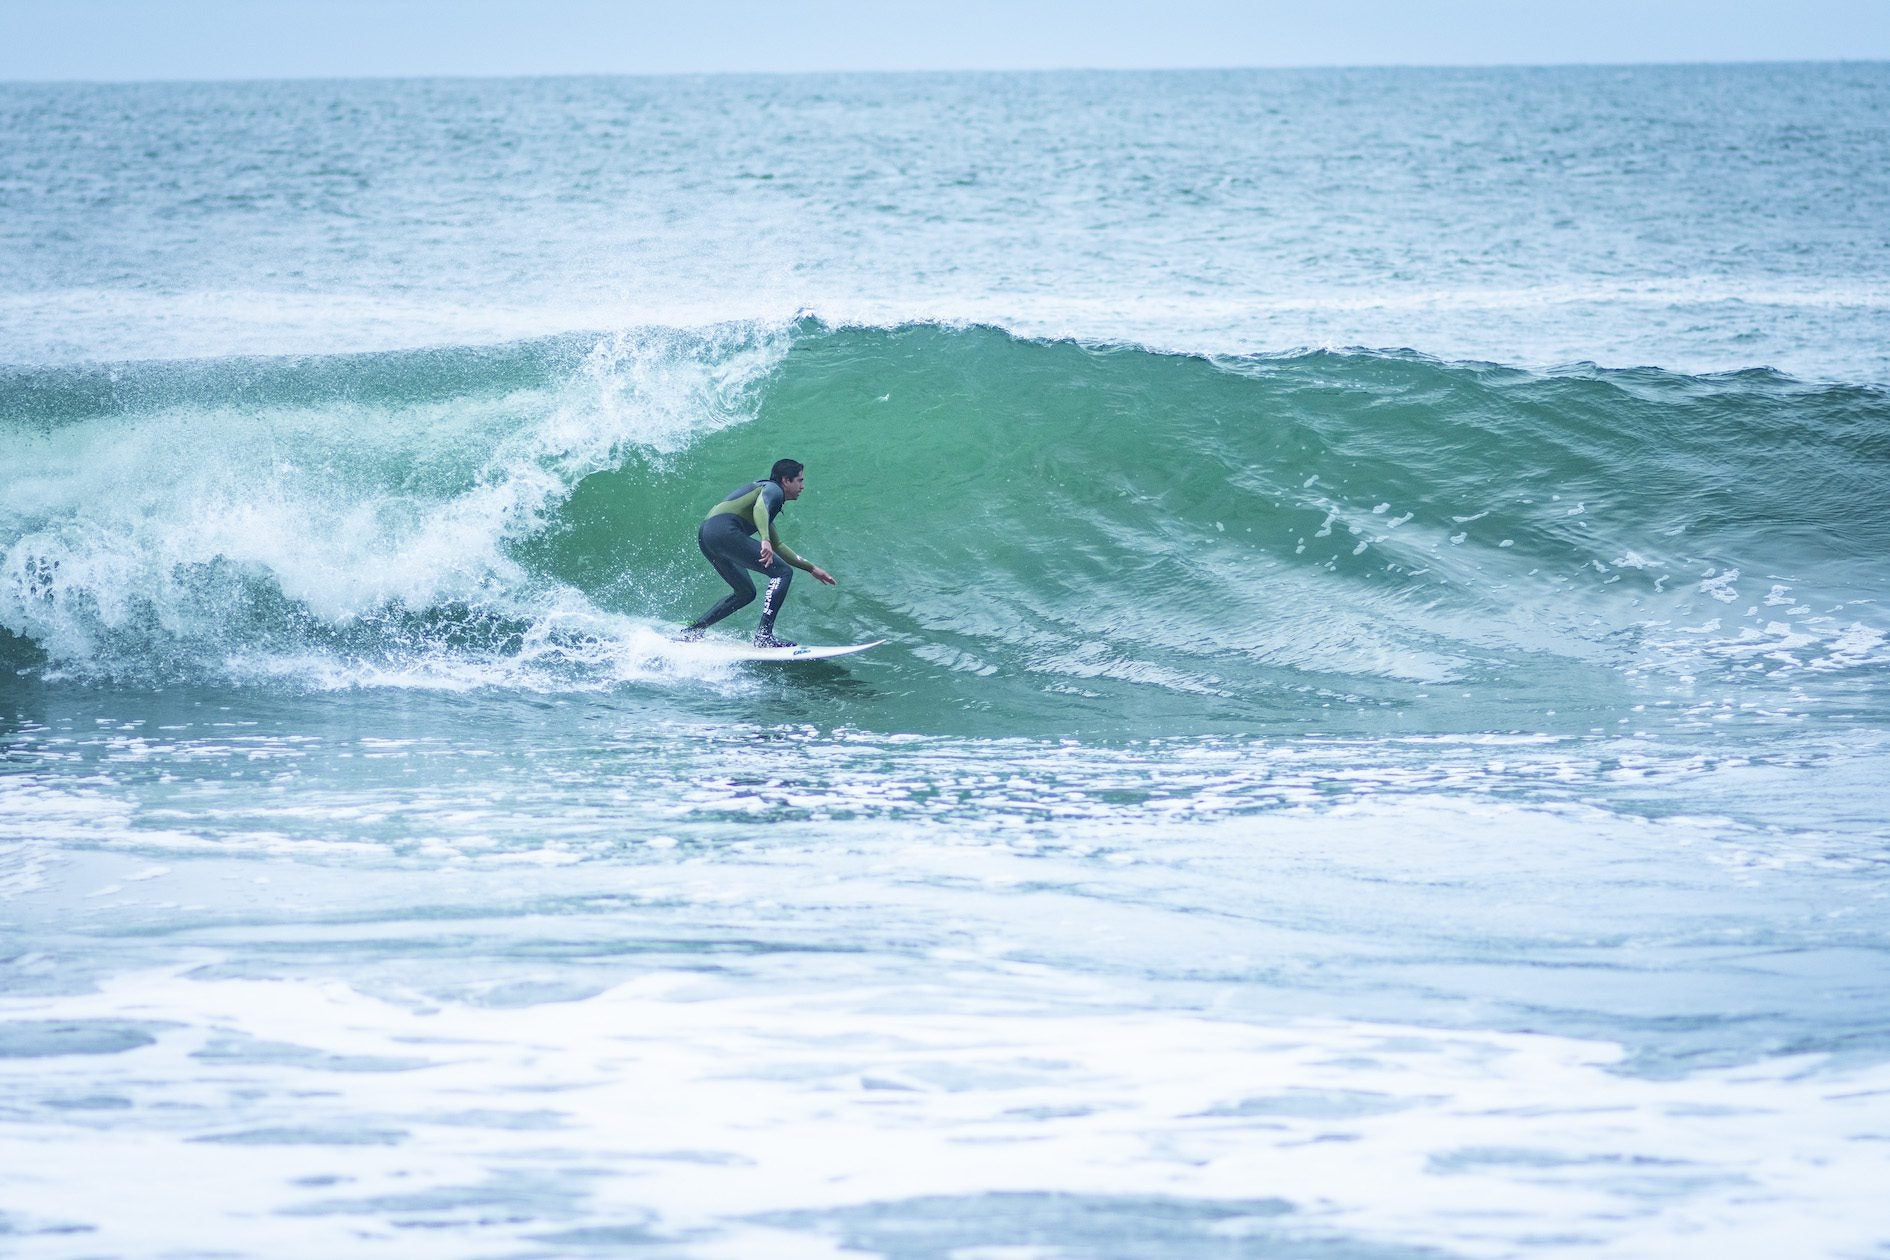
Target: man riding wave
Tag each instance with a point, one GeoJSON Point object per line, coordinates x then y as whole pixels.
{"type": "Point", "coordinates": [739, 535]}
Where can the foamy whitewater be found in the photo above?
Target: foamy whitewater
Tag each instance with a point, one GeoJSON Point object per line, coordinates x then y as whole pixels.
{"type": "Point", "coordinates": [1380, 749]}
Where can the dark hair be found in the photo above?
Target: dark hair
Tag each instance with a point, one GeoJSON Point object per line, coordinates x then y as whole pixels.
{"type": "Point", "coordinates": [785, 470]}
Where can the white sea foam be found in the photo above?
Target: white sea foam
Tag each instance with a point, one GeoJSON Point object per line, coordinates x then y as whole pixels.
{"type": "Point", "coordinates": [163, 524]}
{"type": "Point", "coordinates": [717, 1118]}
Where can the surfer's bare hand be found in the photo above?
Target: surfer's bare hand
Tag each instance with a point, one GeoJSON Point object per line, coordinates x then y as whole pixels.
{"type": "Point", "coordinates": [821, 575]}
{"type": "Point", "coordinates": [767, 553]}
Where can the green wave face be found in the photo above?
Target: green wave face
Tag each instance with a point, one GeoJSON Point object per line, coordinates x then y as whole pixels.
{"type": "Point", "coordinates": [1108, 539]}
{"type": "Point", "coordinates": [1058, 538]}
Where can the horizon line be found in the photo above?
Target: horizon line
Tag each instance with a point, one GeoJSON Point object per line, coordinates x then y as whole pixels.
{"type": "Point", "coordinates": [985, 70]}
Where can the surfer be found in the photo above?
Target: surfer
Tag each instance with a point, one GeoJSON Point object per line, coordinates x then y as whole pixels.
{"type": "Point", "coordinates": [738, 534]}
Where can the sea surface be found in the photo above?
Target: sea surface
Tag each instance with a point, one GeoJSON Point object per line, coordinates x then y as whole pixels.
{"type": "Point", "coordinates": [1382, 748]}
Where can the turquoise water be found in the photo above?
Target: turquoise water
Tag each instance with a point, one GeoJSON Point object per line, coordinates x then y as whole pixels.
{"type": "Point", "coordinates": [1378, 752]}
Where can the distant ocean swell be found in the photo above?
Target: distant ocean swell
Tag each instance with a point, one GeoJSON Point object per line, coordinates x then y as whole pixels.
{"type": "Point", "coordinates": [1096, 533]}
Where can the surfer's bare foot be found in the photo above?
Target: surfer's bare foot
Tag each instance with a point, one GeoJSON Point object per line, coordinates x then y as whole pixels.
{"type": "Point", "coordinates": [691, 635]}
{"type": "Point", "coordinates": [768, 640]}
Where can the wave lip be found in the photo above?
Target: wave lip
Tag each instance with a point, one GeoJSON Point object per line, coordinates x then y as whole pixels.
{"type": "Point", "coordinates": [1822, 329]}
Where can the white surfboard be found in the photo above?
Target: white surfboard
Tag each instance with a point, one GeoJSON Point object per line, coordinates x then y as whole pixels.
{"type": "Point", "coordinates": [801, 652]}
{"type": "Point", "coordinates": [804, 652]}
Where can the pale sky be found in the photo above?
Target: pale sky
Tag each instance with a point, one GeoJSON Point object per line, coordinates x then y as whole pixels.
{"type": "Point", "coordinates": [250, 39]}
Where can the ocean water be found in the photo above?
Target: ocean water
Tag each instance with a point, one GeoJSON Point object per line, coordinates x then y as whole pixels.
{"type": "Point", "coordinates": [1380, 750]}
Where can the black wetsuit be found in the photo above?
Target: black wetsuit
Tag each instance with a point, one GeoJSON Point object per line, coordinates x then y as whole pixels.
{"type": "Point", "coordinates": [730, 536]}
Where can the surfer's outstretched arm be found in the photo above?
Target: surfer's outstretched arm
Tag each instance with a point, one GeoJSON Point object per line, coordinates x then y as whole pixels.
{"type": "Point", "coordinates": [774, 546]}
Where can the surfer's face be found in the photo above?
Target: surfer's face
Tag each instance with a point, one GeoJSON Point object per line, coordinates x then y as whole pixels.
{"type": "Point", "coordinates": [792, 486]}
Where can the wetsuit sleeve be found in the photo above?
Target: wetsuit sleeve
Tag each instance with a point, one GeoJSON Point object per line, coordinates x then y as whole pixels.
{"type": "Point", "coordinates": [781, 549]}
{"type": "Point", "coordinates": [786, 552]}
